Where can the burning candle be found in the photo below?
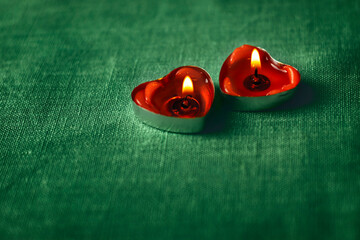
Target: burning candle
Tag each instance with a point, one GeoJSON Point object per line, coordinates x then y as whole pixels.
{"type": "Point", "coordinates": [178, 102]}
{"type": "Point", "coordinates": [250, 79]}
{"type": "Point", "coordinates": [256, 81]}
{"type": "Point", "coordinates": [186, 105]}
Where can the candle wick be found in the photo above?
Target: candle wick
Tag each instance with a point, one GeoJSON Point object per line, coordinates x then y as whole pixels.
{"type": "Point", "coordinates": [256, 73]}
{"type": "Point", "coordinates": [185, 103]}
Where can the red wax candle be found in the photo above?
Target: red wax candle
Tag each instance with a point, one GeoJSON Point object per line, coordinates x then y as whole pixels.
{"type": "Point", "coordinates": [177, 102]}
{"type": "Point", "coordinates": [186, 92]}
{"type": "Point", "coordinates": [251, 72]}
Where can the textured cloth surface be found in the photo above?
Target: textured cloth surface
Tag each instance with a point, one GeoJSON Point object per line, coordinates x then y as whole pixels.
{"type": "Point", "coordinates": [75, 163]}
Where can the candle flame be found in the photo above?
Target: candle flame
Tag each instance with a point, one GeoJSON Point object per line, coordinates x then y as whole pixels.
{"type": "Point", "coordinates": [187, 87]}
{"type": "Point", "coordinates": [255, 59]}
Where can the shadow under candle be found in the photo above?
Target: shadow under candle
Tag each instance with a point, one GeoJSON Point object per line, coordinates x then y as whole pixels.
{"type": "Point", "coordinates": [304, 95]}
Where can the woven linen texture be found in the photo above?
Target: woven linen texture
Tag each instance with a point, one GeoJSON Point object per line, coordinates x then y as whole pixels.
{"type": "Point", "coordinates": [75, 163]}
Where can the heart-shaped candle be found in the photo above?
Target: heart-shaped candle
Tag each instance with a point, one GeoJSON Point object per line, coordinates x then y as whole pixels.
{"type": "Point", "coordinates": [252, 80]}
{"type": "Point", "coordinates": [177, 102]}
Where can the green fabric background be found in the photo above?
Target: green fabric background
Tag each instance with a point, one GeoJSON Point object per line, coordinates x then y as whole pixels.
{"type": "Point", "coordinates": [75, 163]}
